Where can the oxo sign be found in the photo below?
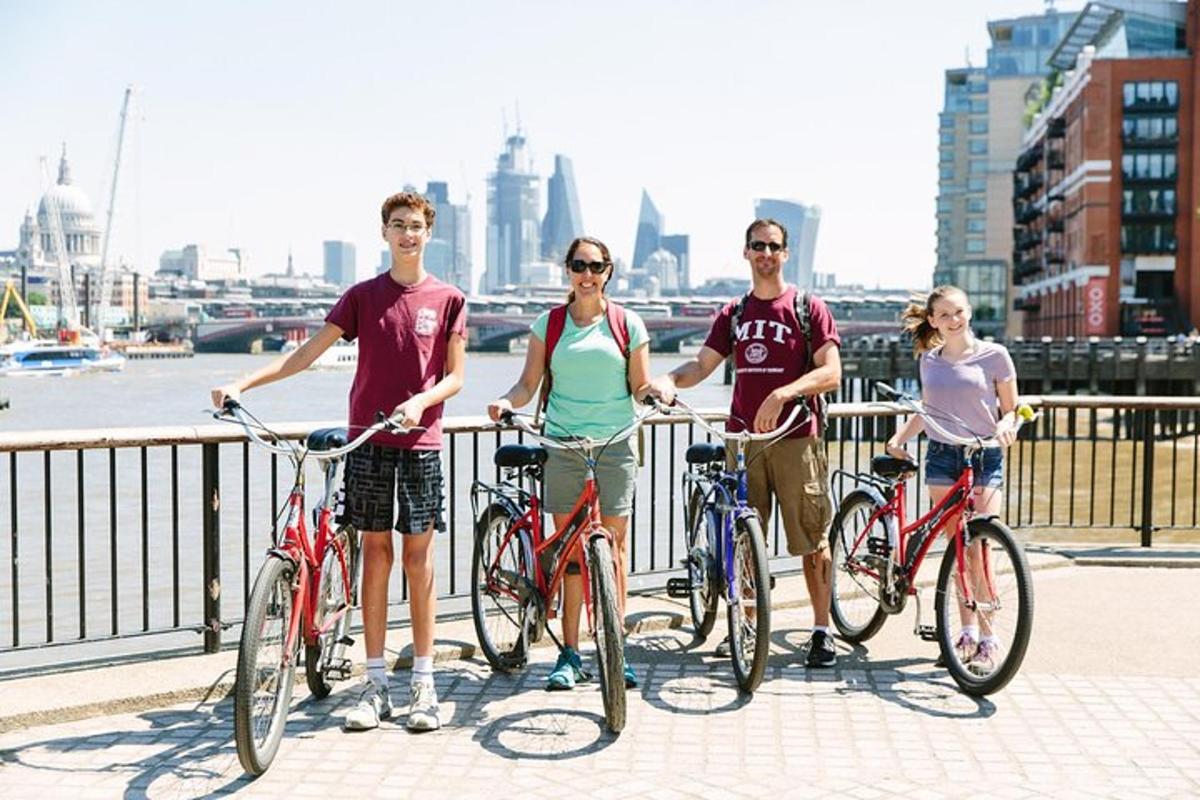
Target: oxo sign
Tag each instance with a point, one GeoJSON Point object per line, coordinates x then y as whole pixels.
{"type": "Point", "coordinates": [1094, 306]}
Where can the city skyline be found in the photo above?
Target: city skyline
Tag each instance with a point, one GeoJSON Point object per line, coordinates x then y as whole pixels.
{"type": "Point", "coordinates": [264, 149]}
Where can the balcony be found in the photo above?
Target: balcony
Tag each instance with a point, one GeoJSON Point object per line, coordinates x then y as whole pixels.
{"type": "Point", "coordinates": [1163, 140]}
{"type": "Point", "coordinates": [1029, 158]}
{"type": "Point", "coordinates": [1055, 225]}
{"type": "Point", "coordinates": [1055, 256]}
{"type": "Point", "coordinates": [1025, 212]}
{"type": "Point", "coordinates": [1056, 128]}
{"type": "Point", "coordinates": [1026, 304]}
{"type": "Point", "coordinates": [1025, 269]}
{"type": "Point", "coordinates": [1055, 160]}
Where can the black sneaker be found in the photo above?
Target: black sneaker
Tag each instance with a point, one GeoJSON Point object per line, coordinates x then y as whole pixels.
{"type": "Point", "coordinates": [821, 652]}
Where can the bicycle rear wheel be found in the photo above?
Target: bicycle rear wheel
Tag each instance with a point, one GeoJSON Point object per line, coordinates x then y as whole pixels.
{"type": "Point", "coordinates": [854, 601]}
{"type": "Point", "coordinates": [699, 561]}
{"type": "Point", "coordinates": [750, 634]}
{"type": "Point", "coordinates": [265, 672]}
{"type": "Point", "coordinates": [325, 661]}
{"type": "Point", "coordinates": [610, 633]}
{"type": "Point", "coordinates": [503, 588]}
{"type": "Point", "coordinates": [1002, 591]}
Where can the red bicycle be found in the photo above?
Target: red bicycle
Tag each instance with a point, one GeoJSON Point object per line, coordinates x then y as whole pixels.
{"type": "Point", "coordinates": [984, 577]}
{"type": "Point", "coordinates": [305, 592]}
{"type": "Point", "coordinates": [516, 571]}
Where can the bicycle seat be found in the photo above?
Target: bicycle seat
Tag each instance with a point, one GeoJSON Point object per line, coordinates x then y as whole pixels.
{"type": "Point", "coordinates": [705, 453]}
{"type": "Point", "coordinates": [520, 455]}
{"type": "Point", "coordinates": [890, 467]}
{"type": "Point", "coordinates": [326, 439]}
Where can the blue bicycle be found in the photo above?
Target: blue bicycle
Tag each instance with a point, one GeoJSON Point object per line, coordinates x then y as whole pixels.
{"type": "Point", "coordinates": [726, 551]}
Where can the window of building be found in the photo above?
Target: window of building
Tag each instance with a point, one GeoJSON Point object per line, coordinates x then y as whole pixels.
{"type": "Point", "coordinates": [947, 137]}
{"type": "Point", "coordinates": [975, 245]}
{"type": "Point", "coordinates": [1148, 238]}
{"type": "Point", "coordinates": [976, 225]}
{"type": "Point", "coordinates": [945, 204]}
{"type": "Point", "coordinates": [979, 126]}
{"type": "Point", "coordinates": [947, 120]}
{"type": "Point", "coordinates": [976, 184]}
{"type": "Point", "coordinates": [1150, 94]}
{"type": "Point", "coordinates": [945, 154]}
{"type": "Point", "coordinates": [946, 172]}
{"type": "Point", "coordinates": [1141, 165]}
{"type": "Point", "coordinates": [979, 106]}
{"type": "Point", "coordinates": [976, 205]}
{"type": "Point", "coordinates": [977, 166]}
{"type": "Point", "coordinates": [1148, 201]}
{"type": "Point", "coordinates": [977, 147]}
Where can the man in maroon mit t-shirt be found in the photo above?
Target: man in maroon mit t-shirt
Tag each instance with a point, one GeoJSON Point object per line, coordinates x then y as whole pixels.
{"type": "Point", "coordinates": [772, 374]}
{"type": "Point", "coordinates": [411, 331]}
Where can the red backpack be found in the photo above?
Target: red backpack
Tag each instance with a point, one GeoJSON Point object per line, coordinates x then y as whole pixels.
{"type": "Point", "coordinates": [554, 329]}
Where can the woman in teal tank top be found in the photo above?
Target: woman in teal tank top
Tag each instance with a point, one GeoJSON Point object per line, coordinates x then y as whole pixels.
{"type": "Point", "coordinates": [589, 396]}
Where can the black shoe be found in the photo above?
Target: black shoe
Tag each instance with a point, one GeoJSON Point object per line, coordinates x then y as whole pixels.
{"type": "Point", "coordinates": [821, 652]}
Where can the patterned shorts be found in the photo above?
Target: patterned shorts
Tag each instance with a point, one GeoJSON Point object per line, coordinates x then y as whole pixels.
{"type": "Point", "coordinates": [374, 473]}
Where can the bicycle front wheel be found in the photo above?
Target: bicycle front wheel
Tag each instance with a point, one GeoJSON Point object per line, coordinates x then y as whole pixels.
{"type": "Point", "coordinates": [265, 670]}
{"type": "Point", "coordinates": [854, 598]}
{"type": "Point", "coordinates": [699, 561]}
{"type": "Point", "coordinates": [1000, 608]}
{"type": "Point", "coordinates": [610, 633]}
{"type": "Point", "coordinates": [750, 610]}
{"type": "Point", "coordinates": [502, 587]}
{"type": "Point", "coordinates": [325, 660]}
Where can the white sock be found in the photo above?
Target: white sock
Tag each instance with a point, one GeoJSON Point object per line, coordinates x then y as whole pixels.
{"type": "Point", "coordinates": [377, 672]}
{"type": "Point", "coordinates": [422, 669]}
{"type": "Point", "coordinates": [972, 631]}
{"type": "Point", "coordinates": [822, 628]}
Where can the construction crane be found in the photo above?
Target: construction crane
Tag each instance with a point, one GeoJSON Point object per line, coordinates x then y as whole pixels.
{"type": "Point", "coordinates": [107, 275]}
{"type": "Point", "coordinates": [11, 292]}
{"type": "Point", "coordinates": [68, 319]}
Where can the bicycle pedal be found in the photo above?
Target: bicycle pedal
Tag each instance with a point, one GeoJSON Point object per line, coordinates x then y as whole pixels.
{"type": "Point", "coordinates": [679, 587]}
{"type": "Point", "coordinates": [772, 582]}
{"type": "Point", "coordinates": [927, 633]}
{"type": "Point", "coordinates": [339, 670]}
{"type": "Point", "coordinates": [346, 640]}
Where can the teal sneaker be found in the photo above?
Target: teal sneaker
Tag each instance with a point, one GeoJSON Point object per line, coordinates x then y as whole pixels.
{"type": "Point", "coordinates": [568, 671]}
{"type": "Point", "coordinates": [631, 680]}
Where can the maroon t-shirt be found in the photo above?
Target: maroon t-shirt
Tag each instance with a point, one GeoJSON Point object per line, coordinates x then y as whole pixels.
{"type": "Point", "coordinates": [770, 352]}
{"type": "Point", "coordinates": [403, 333]}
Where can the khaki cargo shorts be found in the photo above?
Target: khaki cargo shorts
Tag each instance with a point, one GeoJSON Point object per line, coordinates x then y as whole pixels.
{"type": "Point", "coordinates": [795, 472]}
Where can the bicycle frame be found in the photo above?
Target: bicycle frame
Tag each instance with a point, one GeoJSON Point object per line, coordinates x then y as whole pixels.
{"type": "Point", "coordinates": [732, 506]}
{"type": "Point", "coordinates": [958, 502]}
{"type": "Point", "coordinates": [585, 515]}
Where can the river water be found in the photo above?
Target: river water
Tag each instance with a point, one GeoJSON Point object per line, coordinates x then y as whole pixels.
{"type": "Point", "coordinates": [115, 565]}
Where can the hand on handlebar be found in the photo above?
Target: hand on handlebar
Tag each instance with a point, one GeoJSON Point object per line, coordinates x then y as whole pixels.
{"type": "Point", "coordinates": [661, 389]}
{"type": "Point", "coordinates": [767, 418]}
{"type": "Point", "coordinates": [222, 396]}
{"type": "Point", "coordinates": [408, 414]}
{"type": "Point", "coordinates": [500, 410]}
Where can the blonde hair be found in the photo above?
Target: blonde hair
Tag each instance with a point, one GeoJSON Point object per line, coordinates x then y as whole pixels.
{"type": "Point", "coordinates": [915, 319]}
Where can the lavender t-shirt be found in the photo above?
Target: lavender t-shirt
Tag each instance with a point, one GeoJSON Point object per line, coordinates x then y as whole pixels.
{"type": "Point", "coordinates": [966, 389]}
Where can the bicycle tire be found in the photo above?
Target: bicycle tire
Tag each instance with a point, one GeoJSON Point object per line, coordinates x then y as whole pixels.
{"type": "Point", "coordinates": [330, 648]}
{"type": "Point", "coordinates": [750, 560]}
{"type": "Point", "coordinates": [854, 601]}
{"type": "Point", "coordinates": [1014, 584]}
{"type": "Point", "coordinates": [610, 638]}
{"type": "Point", "coordinates": [268, 611]}
{"type": "Point", "coordinates": [705, 590]}
{"type": "Point", "coordinates": [501, 624]}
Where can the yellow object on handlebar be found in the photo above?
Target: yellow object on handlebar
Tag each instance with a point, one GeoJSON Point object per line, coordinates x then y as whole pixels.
{"type": "Point", "coordinates": [1025, 412]}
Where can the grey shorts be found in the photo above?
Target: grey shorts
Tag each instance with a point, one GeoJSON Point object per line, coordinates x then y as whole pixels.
{"type": "Point", "coordinates": [616, 472]}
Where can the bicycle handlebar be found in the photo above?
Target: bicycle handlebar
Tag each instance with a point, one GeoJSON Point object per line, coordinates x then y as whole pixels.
{"type": "Point", "coordinates": [1024, 414]}
{"type": "Point", "coordinates": [575, 444]}
{"type": "Point", "coordinates": [735, 436]}
{"type": "Point", "coordinates": [233, 408]}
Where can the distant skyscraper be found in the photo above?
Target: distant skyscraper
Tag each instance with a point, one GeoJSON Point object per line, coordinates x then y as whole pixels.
{"type": "Point", "coordinates": [385, 261]}
{"type": "Point", "coordinates": [340, 268]}
{"type": "Point", "coordinates": [801, 222]}
{"type": "Point", "coordinates": [448, 255]}
{"type": "Point", "coordinates": [562, 222]}
{"type": "Point", "coordinates": [649, 232]}
{"type": "Point", "coordinates": [512, 221]}
{"type": "Point", "coordinates": [677, 245]}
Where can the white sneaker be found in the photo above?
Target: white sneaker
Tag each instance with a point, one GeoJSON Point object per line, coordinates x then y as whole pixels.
{"type": "Point", "coordinates": [374, 704]}
{"type": "Point", "coordinates": [423, 707]}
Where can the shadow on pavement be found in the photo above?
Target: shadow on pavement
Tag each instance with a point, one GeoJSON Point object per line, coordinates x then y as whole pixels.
{"type": "Point", "coordinates": [545, 734]}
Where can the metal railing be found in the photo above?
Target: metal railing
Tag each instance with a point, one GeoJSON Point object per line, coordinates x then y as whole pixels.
{"type": "Point", "coordinates": [105, 546]}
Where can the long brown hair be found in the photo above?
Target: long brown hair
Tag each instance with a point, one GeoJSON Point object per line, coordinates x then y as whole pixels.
{"type": "Point", "coordinates": [915, 319]}
{"type": "Point", "coordinates": [602, 247]}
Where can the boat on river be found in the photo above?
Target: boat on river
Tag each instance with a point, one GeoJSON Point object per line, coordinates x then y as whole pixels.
{"type": "Point", "coordinates": [35, 357]}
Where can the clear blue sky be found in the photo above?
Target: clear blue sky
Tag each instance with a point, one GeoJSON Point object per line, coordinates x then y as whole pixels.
{"type": "Point", "coordinates": [268, 125]}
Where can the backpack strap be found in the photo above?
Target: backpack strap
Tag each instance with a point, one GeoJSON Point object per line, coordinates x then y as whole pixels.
{"type": "Point", "coordinates": [554, 329]}
{"type": "Point", "coordinates": [735, 319]}
{"type": "Point", "coordinates": [803, 308]}
{"type": "Point", "coordinates": [617, 325]}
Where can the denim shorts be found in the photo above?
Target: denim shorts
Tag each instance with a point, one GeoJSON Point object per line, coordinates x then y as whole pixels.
{"type": "Point", "coordinates": [944, 464]}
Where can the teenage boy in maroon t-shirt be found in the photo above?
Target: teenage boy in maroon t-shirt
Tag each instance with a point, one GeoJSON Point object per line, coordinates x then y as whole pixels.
{"type": "Point", "coordinates": [772, 374]}
{"type": "Point", "coordinates": [411, 331]}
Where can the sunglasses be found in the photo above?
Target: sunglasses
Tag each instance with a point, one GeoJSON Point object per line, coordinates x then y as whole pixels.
{"type": "Point", "coordinates": [579, 266]}
{"type": "Point", "coordinates": [759, 247]}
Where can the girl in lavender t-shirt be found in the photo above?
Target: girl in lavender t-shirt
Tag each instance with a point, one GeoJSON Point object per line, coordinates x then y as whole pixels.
{"type": "Point", "coordinates": [972, 386]}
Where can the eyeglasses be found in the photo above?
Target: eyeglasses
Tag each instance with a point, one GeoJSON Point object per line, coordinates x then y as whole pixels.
{"type": "Point", "coordinates": [412, 228]}
{"type": "Point", "coordinates": [759, 247]}
{"type": "Point", "coordinates": [579, 266]}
